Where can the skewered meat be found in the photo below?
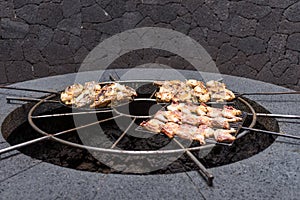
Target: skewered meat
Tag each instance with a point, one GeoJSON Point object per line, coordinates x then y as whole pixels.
{"type": "Point", "coordinates": [227, 112]}
{"type": "Point", "coordinates": [92, 94]}
{"type": "Point", "coordinates": [178, 91]}
{"type": "Point", "coordinates": [186, 108]}
{"type": "Point", "coordinates": [184, 131]}
{"type": "Point", "coordinates": [112, 95]}
{"type": "Point", "coordinates": [170, 129]}
{"type": "Point", "coordinates": [190, 132]}
{"type": "Point", "coordinates": [70, 92]}
{"type": "Point", "coordinates": [168, 116]}
{"type": "Point", "coordinates": [192, 91]}
{"type": "Point", "coordinates": [219, 92]}
{"type": "Point", "coordinates": [224, 135]}
{"type": "Point", "coordinates": [88, 94]}
{"type": "Point", "coordinates": [153, 125]}
{"type": "Point", "coordinates": [182, 118]}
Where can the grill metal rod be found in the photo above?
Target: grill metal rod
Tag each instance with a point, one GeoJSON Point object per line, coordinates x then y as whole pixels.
{"type": "Point", "coordinates": [277, 115]}
{"type": "Point", "coordinates": [266, 93]}
{"type": "Point", "coordinates": [49, 136]}
{"type": "Point", "coordinates": [272, 133]}
{"type": "Point", "coordinates": [202, 170]}
{"type": "Point", "coordinates": [123, 134]}
{"type": "Point", "coordinates": [27, 99]}
{"type": "Point", "coordinates": [69, 114]}
{"type": "Point", "coordinates": [28, 89]}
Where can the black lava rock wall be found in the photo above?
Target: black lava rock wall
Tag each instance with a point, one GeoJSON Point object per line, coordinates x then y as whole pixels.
{"type": "Point", "coordinates": [258, 39]}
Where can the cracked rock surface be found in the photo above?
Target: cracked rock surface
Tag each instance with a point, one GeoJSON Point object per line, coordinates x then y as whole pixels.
{"type": "Point", "coordinates": [250, 38]}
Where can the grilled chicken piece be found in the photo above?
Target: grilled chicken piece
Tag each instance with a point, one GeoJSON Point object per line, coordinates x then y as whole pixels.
{"type": "Point", "coordinates": [153, 125]}
{"type": "Point", "coordinates": [186, 108]}
{"type": "Point", "coordinates": [70, 93]}
{"type": "Point", "coordinates": [219, 92]}
{"type": "Point", "coordinates": [74, 90]}
{"type": "Point", "coordinates": [219, 122]}
{"type": "Point", "coordinates": [168, 116]}
{"type": "Point", "coordinates": [88, 94]}
{"type": "Point", "coordinates": [170, 129]}
{"type": "Point", "coordinates": [229, 111]}
{"type": "Point", "coordinates": [193, 83]}
{"type": "Point", "coordinates": [112, 94]}
{"type": "Point", "coordinates": [224, 135]}
{"type": "Point", "coordinates": [190, 132]}
{"type": "Point", "coordinates": [206, 131]}
{"type": "Point", "coordinates": [191, 119]}
{"type": "Point", "coordinates": [183, 118]}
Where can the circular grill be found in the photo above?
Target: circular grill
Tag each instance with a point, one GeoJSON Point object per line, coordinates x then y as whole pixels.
{"type": "Point", "coordinates": [144, 89]}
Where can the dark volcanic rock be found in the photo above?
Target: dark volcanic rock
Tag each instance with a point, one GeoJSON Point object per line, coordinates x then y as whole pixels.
{"type": "Point", "coordinates": [61, 37]}
{"type": "Point", "coordinates": [257, 61]}
{"type": "Point", "coordinates": [19, 71]}
{"type": "Point", "coordinates": [50, 14]}
{"type": "Point", "coordinates": [72, 24]}
{"type": "Point", "coordinates": [158, 13]}
{"type": "Point", "coordinates": [55, 53]}
{"type": "Point", "coordinates": [250, 10]}
{"type": "Point", "coordinates": [20, 3]}
{"type": "Point", "coordinates": [6, 9]}
{"type": "Point", "coordinates": [31, 52]}
{"type": "Point", "coordinates": [268, 25]}
{"type": "Point", "coordinates": [71, 7]}
{"type": "Point", "coordinates": [251, 45]}
{"type": "Point", "coordinates": [13, 29]}
{"type": "Point", "coordinates": [288, 27]}
{"type": "Point", "coordinates": [94, 14]}
{"type": "Point", "coordinates": [226, 53]}
{"type": "Point", "coordinates": [276, 47]}
{"type": "Point", "coordinates": [293, 42]}
{"type": "Point", "coordinates": [40, 69]}
{"type": "Point", "coordinates": [28, 13]}
{"type": "Point", "coordinates": [3, 78]}
{"type": "Point", "coordinates": [233, 26]}
{"type": "Point", "coordinates": [280, 67]}
{"type": "Point", "coordinates": [205, 17]}
{"type": "Point", "coordinates": [45, 36]}
{"type": "Point", "coordinates": [293, 13]}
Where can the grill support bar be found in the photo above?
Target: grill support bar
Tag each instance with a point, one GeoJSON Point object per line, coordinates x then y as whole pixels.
{"type": "Point", "coordinates": [272, 133]}
{"type": "Point", "coordinates": [50, 136]}
{"type": "Point", "coordinates": [208, 177]}
{"type": "Point", "coordinates": [123, 134]}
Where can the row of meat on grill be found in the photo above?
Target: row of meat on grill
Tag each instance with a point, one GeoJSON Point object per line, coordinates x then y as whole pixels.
{"type": "Point", "coordinates": [92, 94]}
{"type": "Point", "coordinates": [194, 122]}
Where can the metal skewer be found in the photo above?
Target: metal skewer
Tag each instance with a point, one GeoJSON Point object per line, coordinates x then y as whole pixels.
{"type": "Point", "coordinates": [203, 171]}
{"type": "Point", "coordinates": [49, 136]}
{"type": "Point", "coordinates": [266, 93]}
{"type": "Point", "coordinates": [28, 89]}
{"type": "Point", "coordinates": [9, 99]}
{"type": "Point", "coordinates": [272, 133]}
{"type": "Point", "coordinates": [276, 115]}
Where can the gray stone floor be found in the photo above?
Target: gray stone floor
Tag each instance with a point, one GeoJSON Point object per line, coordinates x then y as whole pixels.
{"type": "Point", "coordinates": [271, 174]}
